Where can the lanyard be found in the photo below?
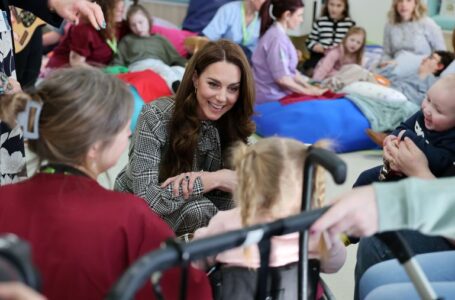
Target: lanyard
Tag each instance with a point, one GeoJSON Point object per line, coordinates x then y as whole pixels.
{"type": "Point", "coordinates": [61, 169]}
{"type": "Point", "coordinates": [112, 44]}
{"type": "Point", "coordinates": [246, 34]}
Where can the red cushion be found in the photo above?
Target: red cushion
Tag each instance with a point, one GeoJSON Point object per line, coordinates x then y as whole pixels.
{"type": "Point", "coordinates": [148, 84]}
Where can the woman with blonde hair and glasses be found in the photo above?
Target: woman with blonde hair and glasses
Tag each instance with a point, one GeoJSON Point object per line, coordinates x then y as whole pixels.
{"type": "Point", "coordinates": [409, 29]}
{"type": "Point", "coordinates": [83, 236]}
{"type": "Point", "coordinates": [176, 159]}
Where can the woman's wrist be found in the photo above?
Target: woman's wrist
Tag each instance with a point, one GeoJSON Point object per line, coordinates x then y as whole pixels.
{"type": "Point", "coordinates": [424, 174]}
{"type": "Point", "coordinates": [208, 182]}
{"type": "Point", "coordinates": [223, 180]}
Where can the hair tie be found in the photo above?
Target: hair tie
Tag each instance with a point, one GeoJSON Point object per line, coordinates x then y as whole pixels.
{"type": "Point", "coordinates": [271, 12]}
{"type": "Point", "coordinates": [32, 108]}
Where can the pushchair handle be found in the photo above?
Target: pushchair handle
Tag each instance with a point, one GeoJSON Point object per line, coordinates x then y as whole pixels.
{"type": "Point", "coordinates": [338, 169]}
{"type": "Point", "coordinates": [329, 161]}
{"type": "Point", "coordinates": [167, 257]}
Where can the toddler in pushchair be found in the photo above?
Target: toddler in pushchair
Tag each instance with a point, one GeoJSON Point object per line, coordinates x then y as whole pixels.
{"type": "Point", "coordinates": [270, 176]}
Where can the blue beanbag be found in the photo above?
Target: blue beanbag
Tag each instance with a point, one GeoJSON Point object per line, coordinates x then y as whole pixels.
{"type": "Point", "coordinates": [309, 121]}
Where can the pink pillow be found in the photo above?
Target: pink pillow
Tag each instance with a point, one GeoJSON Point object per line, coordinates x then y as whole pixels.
{"type": "Point", "coordinates": [175, 36]}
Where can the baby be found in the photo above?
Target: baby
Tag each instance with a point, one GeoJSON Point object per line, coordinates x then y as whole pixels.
{"type": "Point", "coordinates": [432, 129]}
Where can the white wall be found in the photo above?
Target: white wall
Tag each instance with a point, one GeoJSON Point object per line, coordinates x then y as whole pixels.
{"type": "Point", "coordinates": [370, 14]}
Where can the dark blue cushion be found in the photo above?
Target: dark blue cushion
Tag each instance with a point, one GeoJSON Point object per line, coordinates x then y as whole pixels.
{"type": "Point", "coordinates": [309, 121]}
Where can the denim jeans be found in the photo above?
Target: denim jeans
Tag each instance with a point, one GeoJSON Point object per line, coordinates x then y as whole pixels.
{"type": "Point", "coordinates": [388, 280]}
{"type": "Point", "coordinates": [372, 251]}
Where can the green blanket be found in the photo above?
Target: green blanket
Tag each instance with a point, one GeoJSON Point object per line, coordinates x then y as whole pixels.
{"type": "Point", "coordinates": [383, 115]}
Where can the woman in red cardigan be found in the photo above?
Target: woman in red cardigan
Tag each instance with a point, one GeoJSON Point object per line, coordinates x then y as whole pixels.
{"type": "Point", "coordinates": [84, 44]}
{"type": "Point", "coordinates": [83, 237]}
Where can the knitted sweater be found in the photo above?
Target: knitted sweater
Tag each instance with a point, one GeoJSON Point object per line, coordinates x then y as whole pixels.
{"type": "Point", "coordinates": [133, 48]}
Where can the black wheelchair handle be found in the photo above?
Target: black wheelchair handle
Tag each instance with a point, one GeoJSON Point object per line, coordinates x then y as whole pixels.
{"type": "Point", "coordinates": [396, 243]}
{"type": "Point", "coordinates": [137, 274]}
{"type": "Point", "coordinates": [329, 161]}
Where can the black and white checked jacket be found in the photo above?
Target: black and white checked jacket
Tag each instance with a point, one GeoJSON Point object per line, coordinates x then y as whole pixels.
{"type": "Point", "coordinates": [141, 175]}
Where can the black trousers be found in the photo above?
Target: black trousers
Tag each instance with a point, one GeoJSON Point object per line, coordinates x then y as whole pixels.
{"type": "Point", "coordinates": [28, 61]}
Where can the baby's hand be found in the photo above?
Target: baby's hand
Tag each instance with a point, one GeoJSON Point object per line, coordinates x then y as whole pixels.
{"type": "Point", "coordinates": [389, 139]}
{"type": "Point", "coordinates": [400, 135]}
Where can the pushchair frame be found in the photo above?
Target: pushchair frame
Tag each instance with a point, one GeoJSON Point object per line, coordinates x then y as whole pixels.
{"type": "Point", "coordinates": [180, 254]}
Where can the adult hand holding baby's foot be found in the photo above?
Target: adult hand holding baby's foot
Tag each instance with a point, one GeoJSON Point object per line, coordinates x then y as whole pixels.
{"type": "Point", "coordinates": [411, 160]}
{"type": "Point", "coordinates": [391, 143]}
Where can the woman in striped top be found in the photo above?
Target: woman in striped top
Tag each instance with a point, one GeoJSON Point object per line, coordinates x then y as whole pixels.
{"type": "Point", "coordinates": [328, 31]}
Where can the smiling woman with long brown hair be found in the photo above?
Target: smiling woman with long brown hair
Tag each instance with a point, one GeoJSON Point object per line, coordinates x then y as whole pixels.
{"type": "Point", "coordinates": [176, 159]}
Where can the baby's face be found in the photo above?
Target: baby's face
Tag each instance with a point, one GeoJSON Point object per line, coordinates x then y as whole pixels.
{"type": "Point", "coordinates": [139, 24]}
{"type": "Point", "coordinates": [439, 109]}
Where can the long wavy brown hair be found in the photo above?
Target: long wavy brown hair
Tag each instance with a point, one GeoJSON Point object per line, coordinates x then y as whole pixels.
{"type": "Point", "coordinates": [235, 125]}
{"type": "Point", "coordinates": [108, 8]}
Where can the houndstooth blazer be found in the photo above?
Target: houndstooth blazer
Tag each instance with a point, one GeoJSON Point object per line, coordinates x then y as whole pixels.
{"type": "Point", "coordinates": [141, 175]}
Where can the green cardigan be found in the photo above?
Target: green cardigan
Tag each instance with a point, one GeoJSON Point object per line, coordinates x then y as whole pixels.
{"type": "Point", "coordinates": [424, 205]}
{"type": "Point", "coordinates": [133, 48]}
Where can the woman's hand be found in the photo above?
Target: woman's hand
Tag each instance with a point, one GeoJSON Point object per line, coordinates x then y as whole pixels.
{"type": "Point", "coordinates": [411, 160]}
{"type": "Point", "coordinates": [315, 91]}
{"type": "Point", "coordinates": [13, 86]}
{"type": "Point", "coordinates": [185, 181]}
{"type": "Point", "coordinates": [71, 10]}
{"type": "Point", "coordinates": [390, 148]}
{"type": "Point", "coordinates": [354, 213]}
{"type": "Point", "coordinates": [18, 291]}
{"type": "Point", "coordinates": [224, 180]}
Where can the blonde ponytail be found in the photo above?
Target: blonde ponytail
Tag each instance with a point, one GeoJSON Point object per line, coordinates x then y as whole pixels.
{"type": "Point", "coordinates": [244, 160]}
{"type": "Point", "coordinates": [319, 179]}
{"type": "Point", "coordinates": [263, 193]}
{"type": "Point", "coordinates": [258, 170]}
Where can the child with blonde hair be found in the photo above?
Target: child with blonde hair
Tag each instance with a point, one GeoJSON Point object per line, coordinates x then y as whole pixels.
{"type": "Point", "coordinates": [349, 51]}
{"type": "Point", "coordinates": [328, 31]}
{"type": "Point", "coordinates": [269, 175]}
